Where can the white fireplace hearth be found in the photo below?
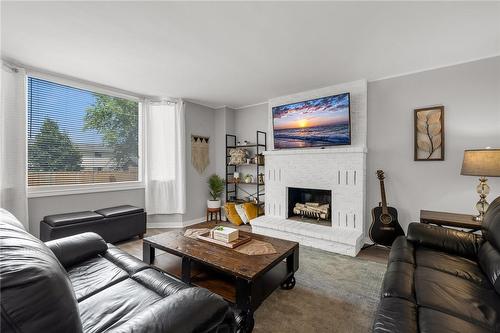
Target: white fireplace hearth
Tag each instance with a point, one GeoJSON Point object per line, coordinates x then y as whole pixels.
{"type": "Point", "coordinates": [341, 170]}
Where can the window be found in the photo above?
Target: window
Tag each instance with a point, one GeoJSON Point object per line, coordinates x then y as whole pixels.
{"type": "Point", "coordinates": [78, 137]}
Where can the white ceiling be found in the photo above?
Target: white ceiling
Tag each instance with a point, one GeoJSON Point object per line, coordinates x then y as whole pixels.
{"type": "Point", "coordinates": [239, 53]}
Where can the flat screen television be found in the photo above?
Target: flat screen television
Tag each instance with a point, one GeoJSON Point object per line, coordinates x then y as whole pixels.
{"type": "Point", "coordinates": [319, 122]}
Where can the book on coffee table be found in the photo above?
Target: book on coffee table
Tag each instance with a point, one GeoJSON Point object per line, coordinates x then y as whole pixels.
{"type": "Point", "coordinates": [207, 237]}
{"type": "Point", "coordinates": [225, 234]}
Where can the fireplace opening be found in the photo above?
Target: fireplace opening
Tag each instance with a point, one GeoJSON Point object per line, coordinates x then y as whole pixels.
{"type": "Point", "coordinates": [310, 205]}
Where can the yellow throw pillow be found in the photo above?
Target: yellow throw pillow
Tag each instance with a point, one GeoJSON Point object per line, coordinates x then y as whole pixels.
{"type": "Point", "coordinates": [232, 214]}
{"type": "Point", "coordinates": [251, 210]}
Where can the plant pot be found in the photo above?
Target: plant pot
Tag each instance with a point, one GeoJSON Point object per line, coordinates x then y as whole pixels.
{"type": "Point", "coordinates": [213, 204]}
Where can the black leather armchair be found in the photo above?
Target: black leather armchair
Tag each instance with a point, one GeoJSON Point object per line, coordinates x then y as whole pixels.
{"type": "Point", "coordinates": [81, 284]}
{"type": "Point", "coordinates": [441, 280]}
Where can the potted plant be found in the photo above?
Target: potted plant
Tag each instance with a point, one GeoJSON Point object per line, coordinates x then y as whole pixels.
{"type": "Point", "coordinates": [216, 187]}
{"type": "Point", "coordinates": [248, 178]}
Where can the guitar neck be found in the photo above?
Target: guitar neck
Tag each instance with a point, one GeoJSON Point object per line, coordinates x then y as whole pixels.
{"type": "Point", "coordinates": [384, 200]}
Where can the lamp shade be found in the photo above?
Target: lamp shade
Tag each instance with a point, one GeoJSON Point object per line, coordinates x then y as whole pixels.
{"type": "Point", "coordinates": [481, 162]}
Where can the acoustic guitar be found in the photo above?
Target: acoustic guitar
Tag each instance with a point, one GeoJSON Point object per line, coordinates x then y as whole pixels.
{"type": "Point", "coordinates": [385, 226]}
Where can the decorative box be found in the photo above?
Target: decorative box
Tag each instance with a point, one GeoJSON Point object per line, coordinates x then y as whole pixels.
{"type": "Point", "coordinates": [225, 234]}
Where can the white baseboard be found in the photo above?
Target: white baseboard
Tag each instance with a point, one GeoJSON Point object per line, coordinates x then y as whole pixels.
{"type": "Point", "coordinates": [195, 221]}
{"type": "Point", "coordinates": [175, 224]}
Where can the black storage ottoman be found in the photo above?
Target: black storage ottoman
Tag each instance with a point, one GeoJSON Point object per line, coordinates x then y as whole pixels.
{"type": "Point", "coordinates": [68, 224]}
{"type": "Point", "coordinates": [113, 224]}
{"type": "Point", "coordinates": [123, 222]}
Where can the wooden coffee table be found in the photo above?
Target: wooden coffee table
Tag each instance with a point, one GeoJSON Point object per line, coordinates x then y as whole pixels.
{"type": "Point", "coordinates": [243, 280]}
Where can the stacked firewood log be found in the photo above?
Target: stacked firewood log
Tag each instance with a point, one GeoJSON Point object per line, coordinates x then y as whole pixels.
{"type": "Point", "coordinates": [312, 209]}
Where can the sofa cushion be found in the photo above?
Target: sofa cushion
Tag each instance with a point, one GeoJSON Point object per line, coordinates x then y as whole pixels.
{"type": "Point", "coordinates": [451, 264]}
{"type": "Point", "coordinates": [35, 292]}
{"type": "Point", "coordinates": [457, 296]}
{"type": "Point", "coordinates": [402, 250]}
{"type": "Point", "coordinates": [189, 310]}
{"type": "Point", "coordinates": [432, 321]}
{"type": "Point", "coordinates": [125, 261]}
{"type": "Point", "coordinates": [491, 224]}
{"type": "Point", "coordinates": [77, 248]}
{"type": "Point", "coordinates": [159, 282]}
{"type": "Point", "coordinates": [489, 260]}
{"type": "Point", "coordinates": [398, 281]}
{"type": "Point", "coordinates": [119, 211]}
{"type": "Point", "coordinates": [396, 315]}
{"type": "Point", "coordinates": [93, 275]}
{"type": "Point", "coordinates": [9, 218]}
{"type": "Point", "coordinates": [115, 305]}
{"type": "Point", "coordinates": [59, 220]}
{"type": "Point", "coordinates": [445, 239]}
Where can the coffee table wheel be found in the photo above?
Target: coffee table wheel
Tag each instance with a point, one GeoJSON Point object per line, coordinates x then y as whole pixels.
{"type": "Point", "coordinates": [247, 322]}
{"type": "Point", "coordinates": [289, 283]}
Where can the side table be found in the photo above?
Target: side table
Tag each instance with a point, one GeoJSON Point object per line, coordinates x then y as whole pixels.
{"type": "Point", "coordinates": [214, 211]}
{"type": "Point", "coordinates": [450, 219]}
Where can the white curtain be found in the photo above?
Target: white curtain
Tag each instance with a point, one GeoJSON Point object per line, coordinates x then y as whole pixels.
{"type": "Point", "coordinates": [13, 186]}
{"type": "Point", "coordinates": [165, 158]}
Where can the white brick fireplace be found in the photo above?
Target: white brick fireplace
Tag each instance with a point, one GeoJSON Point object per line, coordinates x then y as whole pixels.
{"type": "Point", "coordinates": [341, 170]}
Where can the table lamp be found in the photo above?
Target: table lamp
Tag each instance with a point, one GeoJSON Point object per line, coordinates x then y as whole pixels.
{"type": "Point", "coordinates": [483, 163]}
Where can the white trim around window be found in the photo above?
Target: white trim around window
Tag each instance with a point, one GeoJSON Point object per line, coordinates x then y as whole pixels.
{"type": "Point", "coordinates": [57, 190]}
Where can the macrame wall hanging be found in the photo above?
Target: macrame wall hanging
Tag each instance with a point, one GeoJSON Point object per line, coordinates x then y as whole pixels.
{"type": "Point", "coordinates": [199, 152]}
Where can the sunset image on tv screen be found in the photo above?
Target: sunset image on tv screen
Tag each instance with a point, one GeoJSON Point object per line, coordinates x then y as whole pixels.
{"type": "Point", "coordinates": [318, 122]}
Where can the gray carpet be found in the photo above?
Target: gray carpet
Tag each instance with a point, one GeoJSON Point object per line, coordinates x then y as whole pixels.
{"type": "Point", "coordinates": [334, 293]}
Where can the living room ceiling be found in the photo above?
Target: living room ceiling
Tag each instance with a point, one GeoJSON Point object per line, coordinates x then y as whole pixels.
{"type": "Point", "coordinates": [241, 53]}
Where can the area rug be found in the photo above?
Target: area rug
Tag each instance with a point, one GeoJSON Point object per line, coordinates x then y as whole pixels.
{"type": "Point", "coordinates": [333, 293]}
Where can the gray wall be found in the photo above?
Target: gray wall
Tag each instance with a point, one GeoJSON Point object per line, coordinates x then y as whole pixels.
{"type": "Point", "coordinates": [249, 120]}
{"type": "Point", "coordinates": [200, 120]}
{"type": "Point", "coordinates": [42, 206]}
{"type": "Point", "coordinates": [471, 96]}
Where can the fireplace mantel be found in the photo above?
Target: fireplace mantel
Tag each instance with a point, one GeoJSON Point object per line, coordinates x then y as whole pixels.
{"type": "Point", "coordinates": [308, 151]}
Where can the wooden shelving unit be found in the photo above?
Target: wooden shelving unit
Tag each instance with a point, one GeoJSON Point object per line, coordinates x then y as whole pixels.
{"type": "Point", "coordinates": [235, 188]}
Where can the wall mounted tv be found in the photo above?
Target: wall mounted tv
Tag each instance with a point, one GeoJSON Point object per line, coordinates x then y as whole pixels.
{"type": "Point", "coordinates": [319, 122]}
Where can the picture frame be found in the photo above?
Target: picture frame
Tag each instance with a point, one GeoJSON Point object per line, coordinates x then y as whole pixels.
{"type": "Point", "coordinates": [429, 134]}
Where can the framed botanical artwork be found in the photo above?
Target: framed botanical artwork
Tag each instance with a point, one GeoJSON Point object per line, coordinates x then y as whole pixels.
{"type": "Point", "coordinates": [429, 134]}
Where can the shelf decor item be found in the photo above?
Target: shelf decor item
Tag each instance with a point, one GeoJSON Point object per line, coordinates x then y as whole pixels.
{"type": "Point", "coordinates": [248, 178]}
{"type": "Point", "coordinates": [261, 178]}
{"type": "Point", "coordinates": [482, 163]}
{"type": "Point", "coordinates": [429, 134]}
{"type": "Point", "coordinates": [259, 159]}
{"type": "Point", "coordinates": [238, 156]}
{"type": "Point", "coordinates": [216, 187]}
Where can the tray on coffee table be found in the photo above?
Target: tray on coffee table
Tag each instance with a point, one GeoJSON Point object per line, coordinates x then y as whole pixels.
{"type": "Point", "coordinates": [242, 239]}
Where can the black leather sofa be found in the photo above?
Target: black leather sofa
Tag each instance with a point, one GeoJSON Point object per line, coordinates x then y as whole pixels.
{"type": "Point", "coordinates": [441, 280]}
{"type": "Point", "coordinates": [81, 284]}
{"type": "Point", "coordinates": [114, 224]}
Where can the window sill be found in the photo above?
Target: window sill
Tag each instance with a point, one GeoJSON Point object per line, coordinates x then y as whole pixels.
{"type": "Point", "coordinates": [58, 190]}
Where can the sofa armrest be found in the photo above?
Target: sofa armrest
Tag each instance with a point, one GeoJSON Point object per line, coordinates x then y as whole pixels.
{"type": "Point", "coordinates": [74, 249]}
{"type": "Point", "coordinates": [448, 240]}
{"type": "Point", "coordinates": [189, 310]}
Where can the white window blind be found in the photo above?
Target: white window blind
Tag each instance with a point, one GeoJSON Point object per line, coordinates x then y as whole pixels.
{"type": "Point", "coordinates": [77, 136]}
